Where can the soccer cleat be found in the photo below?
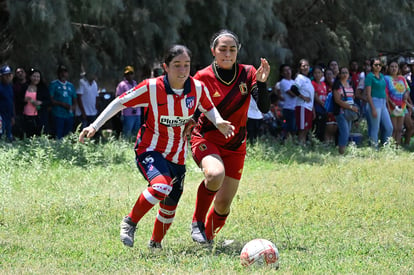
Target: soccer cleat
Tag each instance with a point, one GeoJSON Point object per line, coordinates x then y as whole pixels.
{"type": "Point", "coordinates": [127, 231]}
{"type": "Point", "coordinates": [153, 245]}
{"type": "Point", "coordinates": [198, 232]}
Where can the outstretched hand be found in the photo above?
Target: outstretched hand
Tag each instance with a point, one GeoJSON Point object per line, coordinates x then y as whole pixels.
{"type": "Point", "coordinates": [86, 132]}
{"type": "Point", "coordinates": [263, 71]}
{"type": "Point", "coordinates": [225, 128]}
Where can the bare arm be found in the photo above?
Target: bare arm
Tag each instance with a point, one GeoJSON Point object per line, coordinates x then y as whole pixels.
{"type": "Point", "coordinates": [80, 105]}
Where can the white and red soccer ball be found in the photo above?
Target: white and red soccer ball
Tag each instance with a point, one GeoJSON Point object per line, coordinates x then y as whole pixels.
{"type": "Point", "coordinates": [261, 252]}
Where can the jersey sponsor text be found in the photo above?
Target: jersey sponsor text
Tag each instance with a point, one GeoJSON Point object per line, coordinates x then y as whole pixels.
{"type": "Point", "coordinates": [174, 121]}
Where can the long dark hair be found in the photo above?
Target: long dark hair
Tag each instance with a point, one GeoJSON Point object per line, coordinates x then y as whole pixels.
{"type": "Point", "coordinates": [31, 72]}
{"type": "Point", "coordinates": [42, 89]}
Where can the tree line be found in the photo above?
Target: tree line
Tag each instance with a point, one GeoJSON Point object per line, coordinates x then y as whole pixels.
{"type": "Point", "coordinates": [105, 35]}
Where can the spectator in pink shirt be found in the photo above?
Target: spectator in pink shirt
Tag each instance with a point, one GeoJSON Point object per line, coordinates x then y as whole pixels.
{"type": "Point", "coordinates": [131, 117]}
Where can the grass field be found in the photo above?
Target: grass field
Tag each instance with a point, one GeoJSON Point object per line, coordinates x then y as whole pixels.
{"type": "Point", "coordinates": [61, 205]}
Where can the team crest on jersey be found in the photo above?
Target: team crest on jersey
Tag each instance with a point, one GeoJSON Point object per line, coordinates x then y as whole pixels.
{"type": "Point", "coordinates": [202, 147]}
{"type": "Point", "coordinates": [189, 102]}
{"type": "Point", "coordinates": [243, 88]}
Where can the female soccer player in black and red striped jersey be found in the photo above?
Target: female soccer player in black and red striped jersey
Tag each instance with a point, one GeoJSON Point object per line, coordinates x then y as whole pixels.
{"type": "Point", "coordinates": [230, 85]}
{"type": "Point", "coordinates": [170, 101]}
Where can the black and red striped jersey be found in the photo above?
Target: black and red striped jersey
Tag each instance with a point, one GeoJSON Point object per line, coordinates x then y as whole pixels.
{"type": "Point", "coordinates": [231, 99]}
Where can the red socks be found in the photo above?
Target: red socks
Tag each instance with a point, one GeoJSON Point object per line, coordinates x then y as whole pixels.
{"type": "Point", "coordinates": [214, 223]}
{"type": "Point", "coordinates": [159, 190]}
{"type": "Point", "coordinates": [203, 202]}
{"type": "Point", "coordinates": [163, 221]}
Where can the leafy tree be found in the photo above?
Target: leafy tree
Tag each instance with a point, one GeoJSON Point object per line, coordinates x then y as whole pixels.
{"type": "Point", "coordinates": [394, 37]}
{"type": "Point", "coordinates": [261, 33]}
{"type": "Point", "coordinates": [5, 37]}
{"type": "Point", "coordinates": [103, 36]}
{"type": "Point", "coordinates": [97, 44]}
{"type": "Point", "coordinates": [148, 27]}
{"type": "Point", "coordinates": [41, 33]}
{"type": "Point", "coordinates": [345, 30]}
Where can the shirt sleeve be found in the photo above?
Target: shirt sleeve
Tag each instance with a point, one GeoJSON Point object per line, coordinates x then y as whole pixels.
{"type": "Point", "coordinates": [119, 89]}
{"type": "Point", "coordinates": [114, 107]}
{"type": "Point", "coordinates": [81, 89]}
{"type": "Point", "coordinates": [299, 84]}
{"type": "Point", "coordinates": [137, 96]}
{"type": "Point", "coordinates": [205, 104]}
{"type": "Point", "coordinates": [407, 87]}
{"type": "Point", "coordinates": [368, 81]}
{"type": "Point", "coordinates": [284, 86]}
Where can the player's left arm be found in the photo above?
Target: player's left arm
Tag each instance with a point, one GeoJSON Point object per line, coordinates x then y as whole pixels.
{"type": "Point", "coordinates": [260, 93]}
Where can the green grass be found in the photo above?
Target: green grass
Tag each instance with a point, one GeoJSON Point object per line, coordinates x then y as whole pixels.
{"type": "Point", "coordinates": [61, 205]}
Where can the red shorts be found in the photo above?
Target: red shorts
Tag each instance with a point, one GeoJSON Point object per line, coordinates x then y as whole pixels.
{"type": "Point", "coordinates": [304, 118]}
{"type": "Point", "coordinates": [233, 160]}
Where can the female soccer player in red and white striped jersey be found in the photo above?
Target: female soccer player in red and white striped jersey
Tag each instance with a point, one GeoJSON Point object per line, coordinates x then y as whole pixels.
{"type": "Point", "coordinates": [170, 101]}
{"type": "Point", "coordinates": [230, 85]}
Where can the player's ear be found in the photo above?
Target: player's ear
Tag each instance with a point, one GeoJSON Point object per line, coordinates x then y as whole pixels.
{"type": "Point", "coordinates": [165, 67]}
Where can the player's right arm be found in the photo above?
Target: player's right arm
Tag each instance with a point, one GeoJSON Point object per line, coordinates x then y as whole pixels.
{"type": "Point", "coordinates": [137, 96]}
{"type": "Point", "coordinates": [210, 111]}
{"type": "Point", "coordinates": [222, 125]}
{"type": "Point", "coordinates": [114, 107]}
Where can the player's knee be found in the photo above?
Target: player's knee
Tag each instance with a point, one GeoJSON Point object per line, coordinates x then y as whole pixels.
{"type": "Point", "coordinates": [214, 175]}
{"type": "Point", "coordinates": [162, 185]}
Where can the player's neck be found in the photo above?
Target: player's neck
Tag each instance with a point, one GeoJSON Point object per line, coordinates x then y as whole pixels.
{"type": "Point", "coordinates": [225, 75]}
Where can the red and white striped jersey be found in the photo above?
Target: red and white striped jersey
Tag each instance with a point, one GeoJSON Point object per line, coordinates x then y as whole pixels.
{"type": "Point", "coordinates": [166, 114]}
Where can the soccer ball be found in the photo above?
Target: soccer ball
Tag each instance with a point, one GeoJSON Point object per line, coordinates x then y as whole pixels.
{"type": "Point", "coordinates": [260, 252]}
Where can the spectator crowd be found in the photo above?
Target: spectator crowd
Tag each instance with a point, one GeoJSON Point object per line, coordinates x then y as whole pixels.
{"type": "Point", "coordinates": [31, 107]}
{"type": "Point", "coordinates": [329, 102]}
{"type": "Point", "coordinates": [326, 102]}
